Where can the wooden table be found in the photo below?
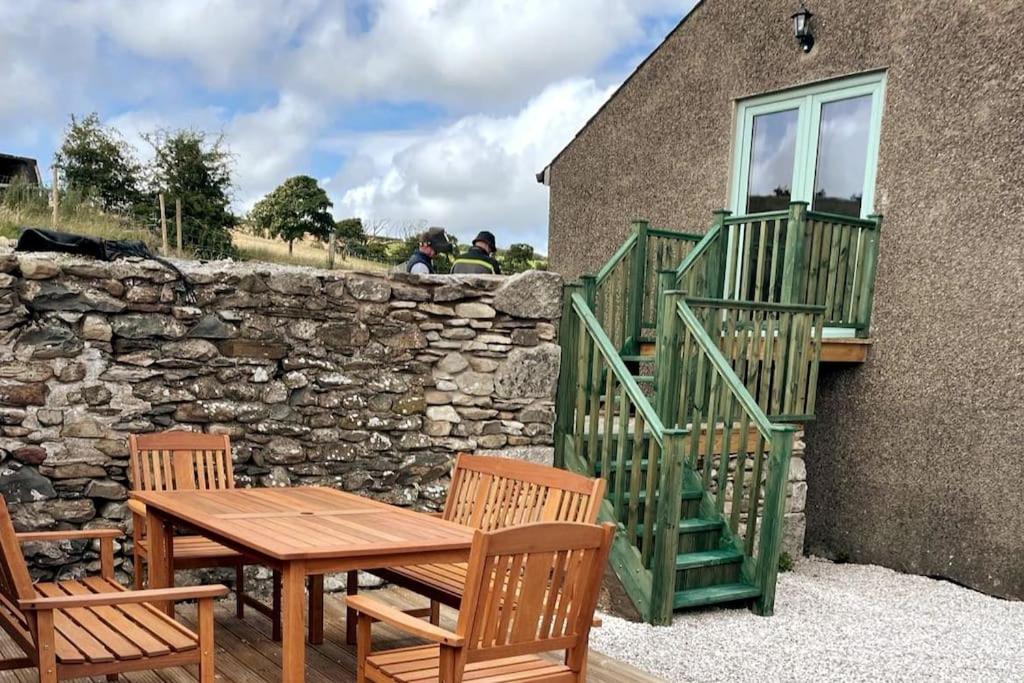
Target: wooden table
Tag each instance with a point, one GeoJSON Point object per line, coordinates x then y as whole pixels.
{"type": "Point", "coordinates": [301, 532]}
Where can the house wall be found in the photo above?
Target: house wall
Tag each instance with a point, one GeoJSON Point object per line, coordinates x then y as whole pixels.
{"type": "Point", "coordinates": [368, 382]}
{"type": "Point", "coordinates": [915, 461]}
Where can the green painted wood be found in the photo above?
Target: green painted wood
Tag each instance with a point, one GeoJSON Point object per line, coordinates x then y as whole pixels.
{"type": "Point", "coordinates": [867, 276]}
{"type": "Point", "coordinates": [667, 532]}
{"type": "Point", "coordinates": [714, 595]}
{"type": "Point", "coordinates": [638, 280]}
{"type": "Point", "coordinates": [621, 254]}
{"type": "Point", "coordinates": [708, 558]}
{"type": "Point", "coordinates": [773, 518]}
{"type": "Point", "coordinates": [564, 398]}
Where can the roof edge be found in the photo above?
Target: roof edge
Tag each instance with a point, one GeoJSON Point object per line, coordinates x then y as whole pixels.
{"type": "Point", "coordinates": [544, 175]}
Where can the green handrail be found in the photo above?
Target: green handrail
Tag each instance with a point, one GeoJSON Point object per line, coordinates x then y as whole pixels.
{"type": "Point", "coordinates": [617, 257]}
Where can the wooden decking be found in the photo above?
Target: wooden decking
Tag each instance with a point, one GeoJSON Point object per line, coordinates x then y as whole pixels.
{"type": "Point", "coordinates": [245, 653]}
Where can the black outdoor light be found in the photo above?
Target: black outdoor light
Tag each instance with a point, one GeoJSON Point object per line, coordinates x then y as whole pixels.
{"type": "Point", "coordinates": [802, 27]}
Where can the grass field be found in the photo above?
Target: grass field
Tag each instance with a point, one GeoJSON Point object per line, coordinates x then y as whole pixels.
{"type": "Point", "coordinates": [305, 253]}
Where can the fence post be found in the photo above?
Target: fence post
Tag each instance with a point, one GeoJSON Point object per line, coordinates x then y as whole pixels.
{"type": "Point", "coordinates": [773, 517]}
{"type": "Point", "coordinates": [332, 246]}
{"type": "Point", "coordinates": [163, 225]}
{"type": "Point", "coordinates": [565, 398]}
{"type": "Point", "coordinates": [793, 266]}
{"type": "Point", "coordinates": [666, 520]}
{"type": "Point", "coordinates": [868, 271]}
{"type": "Point", "coordinates": [55, 195]}
{"type": "Point", "coordinates": [177, 225]}
{"type": "Point", "coordinates": [666, 366]}
{"type": "Point", "coordinates": [718, 259]}
{"type": "Point", "coordinates": [637, 287]}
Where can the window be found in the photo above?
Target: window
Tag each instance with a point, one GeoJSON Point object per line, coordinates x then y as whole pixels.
{"type": "Point", "coordinates": [817, 144]}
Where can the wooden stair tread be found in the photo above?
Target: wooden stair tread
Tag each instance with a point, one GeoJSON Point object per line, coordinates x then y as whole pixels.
{"type": "Point", "coordinates": [695, 494]}
{"type": "Point", "coordinates": [707, 558]}
{"type": "Point", "coordinates": [637, 358]}
{"type": "Point", "coordinates": [713, 595]}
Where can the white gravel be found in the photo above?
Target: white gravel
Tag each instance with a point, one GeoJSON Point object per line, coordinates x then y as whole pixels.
{"type": "Point", "coordinates": [835, 622]}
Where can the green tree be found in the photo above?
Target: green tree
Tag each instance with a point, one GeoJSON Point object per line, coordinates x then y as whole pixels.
{"type": "Point", "coordinates": [352, 238]}
{"type": "Point", "coordinates": [98, 165]}
{"type": "Point", "coordinates": [187, 166]}
{"type": "Point", "coordinates": [298, 207]}
{"type": "Point", "coordinates": [516, 259]}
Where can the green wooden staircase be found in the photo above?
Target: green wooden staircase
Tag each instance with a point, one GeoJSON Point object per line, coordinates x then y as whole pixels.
{"type": "Point", "coordinates": [687, 363]}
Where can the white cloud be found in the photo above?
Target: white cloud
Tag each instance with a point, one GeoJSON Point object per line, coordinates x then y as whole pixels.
{"type": "Point", "coordinates": [478, 172]}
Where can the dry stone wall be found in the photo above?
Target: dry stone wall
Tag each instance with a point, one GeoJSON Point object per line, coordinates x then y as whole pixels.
{"type": "Point", "coordinates": [366, 382]}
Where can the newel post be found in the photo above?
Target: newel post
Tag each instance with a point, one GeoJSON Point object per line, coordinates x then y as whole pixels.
{"type": "Point", "coordinates": [773, 517]}
{"type": "Point", "coordinates": [666, 529]}
{"type": "Point", "coordinates": [718, 260]}
{"type": "Point", "coordinates": [637, 285]}
{"type": "Point", "coordinates": [568, 340]}
{"type": "Point", "coordinates": [865, 302]}
{"type": "Point", "coordinates": [667, 364]}
{"type": "Point", "coordinates": [793, 265]}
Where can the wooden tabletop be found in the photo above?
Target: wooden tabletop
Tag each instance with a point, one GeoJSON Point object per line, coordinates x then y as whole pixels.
{"type": "Point", "coordinates": [306, 523]}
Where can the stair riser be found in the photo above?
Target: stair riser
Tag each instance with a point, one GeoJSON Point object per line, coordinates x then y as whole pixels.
{"type": "Point", "coordinates": [689, 508]}
{"type": "Point", "coordinates": [695, 542]}
{"type": "Point", "coordinates": [700, 577]}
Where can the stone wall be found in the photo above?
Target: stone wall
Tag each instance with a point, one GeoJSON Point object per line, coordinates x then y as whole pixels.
{"type": "Point", "coordinates": [365, 382]}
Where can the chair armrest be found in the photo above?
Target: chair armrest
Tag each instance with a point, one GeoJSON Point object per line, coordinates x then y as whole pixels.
{"type": "Point", "coordinates": [126, 597]}
{"type": "Point", "coordinates": [394, 617]}
{"type": "Point", "coordinates": [137, 507]}
{"type": "Point", "coordinates": [69, 535]}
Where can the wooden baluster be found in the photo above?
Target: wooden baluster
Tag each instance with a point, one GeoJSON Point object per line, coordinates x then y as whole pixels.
{"type": "Point", "coordinates": [620, 456]}
{"type": "Point", "coordinates": [742, 455]}
{"type": "Point", "coordinates": [582, 387]}
{"type": "Point", "coordinates": [773, 517]}
{"type": "Point", "coordinates": [609, 415]}
{"type": "Point", "coordinates": [568, 339]}
{"type": "Point", "coordinates": [655, 453]}
{"type": "Point", "coordinates": [666, 544]}
{"type": "Point", "coordinates": [755, 494]}
{"type": "Point", "coordinates": [594, 411]}
{"type": "Point", "coordinates": [635, 477]}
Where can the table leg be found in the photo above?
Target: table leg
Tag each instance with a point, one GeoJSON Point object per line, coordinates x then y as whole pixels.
{"type": "Point", "coordinates": [161, 555]}
{"type": "Point", "coordinates": [316, 609]}
{"type": "Point", "coordinates": [293, 614]}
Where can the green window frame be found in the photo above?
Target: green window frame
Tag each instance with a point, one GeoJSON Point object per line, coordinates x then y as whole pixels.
{"type": "Point", "coordinates": [808, 101]}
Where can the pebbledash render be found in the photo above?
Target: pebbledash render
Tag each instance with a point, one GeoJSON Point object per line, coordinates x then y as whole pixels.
{"type": "Point", "coordinates": [914, 458]}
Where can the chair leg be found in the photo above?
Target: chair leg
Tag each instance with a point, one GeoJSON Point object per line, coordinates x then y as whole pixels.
{"type": "Point", "coordinates": [435, 613]}
{"type": "Point", "coordinates": [275, 630]}
{"type": "Point", "coordinates": [351, 588]}
{"type": "Point", "coordinates": [207, 671]}
{"type": "Point", "coordinates": [240, 591]}
{"type": "Point", "coordinates": [111, 677]}
{"type": "Point", "coordinates": [363, 647]}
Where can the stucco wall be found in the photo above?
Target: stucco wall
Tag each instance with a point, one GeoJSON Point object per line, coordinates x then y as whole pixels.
{"type": "Point", "coordinates": [917, 458]}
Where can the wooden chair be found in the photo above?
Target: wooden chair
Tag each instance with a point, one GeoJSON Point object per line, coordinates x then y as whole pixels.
{"type": "Point", "coordinates": [528, 590]}
{"type": "Point", "coordinates": [490, 493]}
{"type": "Point", "coordinates": [94, 626]}
{"type": "Point", "coordinates": [180, 460]}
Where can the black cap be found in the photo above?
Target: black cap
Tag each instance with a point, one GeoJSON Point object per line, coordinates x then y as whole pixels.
{"type": "Point", "coordinates": [437, 239]}
{"type": "Point", "coordinates": [487, 237]}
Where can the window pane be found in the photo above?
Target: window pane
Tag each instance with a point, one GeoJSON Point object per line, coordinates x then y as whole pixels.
{"type": "Point", "coordinates": [842, 155]}
{"type": "Point", "coordinates": [772, 150]}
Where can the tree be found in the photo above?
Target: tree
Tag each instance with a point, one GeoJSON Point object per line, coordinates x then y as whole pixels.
{"type": "Point", "coordinates": [298, 207]}
{"type": "Point", "coordinates": [100, 166]}
{"type": "Point", "coordinates": [516, 259]}
{"type": "Point", "coordinates": [187, 166]}
{"type": "Point", "coordinates": [352, 237]}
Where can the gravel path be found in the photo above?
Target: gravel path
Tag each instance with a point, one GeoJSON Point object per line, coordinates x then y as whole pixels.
{"type": "Point", "coordinates": [835, 622]}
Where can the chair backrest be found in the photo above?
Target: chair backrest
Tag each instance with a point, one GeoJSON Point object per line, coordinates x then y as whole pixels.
{"type": "Point", "coordinates": [532, 589]}
{"type": "Point", "coordinates": [181, 461]}
{"type": "Point", "coordinates": [15, 585]}
{"type": "Point", "coordinates": [489, 493]}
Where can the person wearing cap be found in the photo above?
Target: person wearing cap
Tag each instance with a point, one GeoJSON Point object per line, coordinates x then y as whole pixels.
{"type": "Point", "coordinates": [478, 259]}
{"type": "Point", "coordinates": [432, 242]}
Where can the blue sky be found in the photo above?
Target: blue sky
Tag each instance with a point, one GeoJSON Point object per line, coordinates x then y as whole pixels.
{"type": "Point", "coordinates": [407, 111]}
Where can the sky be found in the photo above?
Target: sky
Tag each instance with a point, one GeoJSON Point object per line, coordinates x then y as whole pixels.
{"type": "Point", "coordinates": [406, 111]}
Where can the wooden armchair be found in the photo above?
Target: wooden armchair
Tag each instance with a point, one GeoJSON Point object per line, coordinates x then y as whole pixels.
{"type": "Point", "coordinates": [528, 590]}
{"type": "Point", "coordinates": [189, 461]}
{"type": "Point", "coordinates": [490, 493]}
{"type": "Point", "coordinates": [94, 627]}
